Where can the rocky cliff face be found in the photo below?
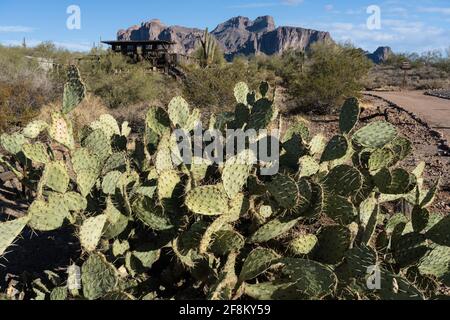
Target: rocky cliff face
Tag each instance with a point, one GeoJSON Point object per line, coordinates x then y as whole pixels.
{"type": "Point", "coordinates": [239, 35]}
{"type": "Point", "coordinates": [380, 55]}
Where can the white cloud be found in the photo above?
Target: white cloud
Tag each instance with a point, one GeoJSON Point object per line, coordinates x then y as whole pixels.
{"type": "Point", "coordinates": [15, 29]}
{"type": "Point", "coordinates": [292, 2]}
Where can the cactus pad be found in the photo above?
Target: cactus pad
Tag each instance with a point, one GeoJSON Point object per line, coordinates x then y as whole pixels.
{"type": "Point", "coordinates": [56, 177]}
{"type": "Point", "coordinates": [273, 229]}
{"type": "Point", "coordinates": [349, 115]}
{"type": "Point", "coordinates": [34, 129]}
{"type": "Point", "coordinates": [241, 91]}
{"type": "Point", "coordinates": [98, 277]}
{"type": "Point", "coordinates": [91, 232]}
{"type": "Point", "coordinates": [74, 202]}
{"type": "Point", "coordinates": [336, 149]}
{"type": "Point", "coordinates": [9, 231]}
{"type": "Point", "coordinates": [36, 152]}
{"type": "Point", "coordinates": [334, 241]}
{"type": "Point", "coordinates": [308, 166]}
{"type": "Point", "coordinates": [12, 143]}
{"type": "Point", "coordinates": [47, 216]}
{"type": "Point", "coordinates": [375, 135]}
{"type": "Point", "coordinates": [86, 180]}
{"type": "Point", "coordinates": [110, 182]}
{"type": "Point", "coordinates": [257, 262]}
{"type": "Point", "coordinates": [436, 263]}
{"type": "Point", "coordinates": [179, 112]}
{"type": "Point", "coordinates": [98, 144]}
{"type": "Point", "coordinates": [151, 215]}
{"type": "Point", "coordinates": [61, 130]}
{"type": "Point", "coordinates": [157, 120]}
{"type": "Point", "coordinates": [235, 175]}
{"type": "Point", "coordinates": [343, 180]}
{"type": "Point", "coordinates": [285, 191]}
{"type": "Point", "coordinates": [303, 244]}
{"type": "Point", "coordinates": [207, 200]}
{"type": "Point", "coordinates": [74, 90]}
{"type": "Point", "coordinates": [107, 124]}
{"type": "Point", "coordinates": [227, 241]}
{"type": "Point", "coordinates": [168, 180]}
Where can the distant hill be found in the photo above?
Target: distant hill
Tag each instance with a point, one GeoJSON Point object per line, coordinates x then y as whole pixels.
{"type": "Point", "coordinates": [239, 35]}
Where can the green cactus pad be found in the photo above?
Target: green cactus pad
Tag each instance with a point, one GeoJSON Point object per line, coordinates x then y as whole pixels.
{"type": "Point", "coordinates": [91, 232]}
{"type": "Point", "coordinates": [334, 241]}
{"type": "Point", "coordinates": [300, 128]}
{"type": "Point", "coordinates": [207, 200]}
{"type": "Point", "coordinates": [258, 262]}
{"type": "Point", "coordinates": [98, 277]}
{"type": "Point", "coordinates": [227, 241]}
{"type": "Point", "coordinates": [168, 180]}
{"type": "Point", "coordinates": [163, 160]}
{"type": "Point", "coordinates": [380, 159]}
{"type": "Point", "coordinates": [108, 124]}
{"type": "Point", "coordinates": [440, 232]}
{"type": "Point", "coordinates": [273, 229]}
{"type": "Point", "coordinates": [401, 147]}
{"type": "Point", "coordinates": [179, 112]}
{"type": "Point", "coordinates": [317, 145]}
{"type": "Point", "coordinates": [61, 130]}
{"type": "Point", "coordinates": [241, 91]}
{"type": "Point", "coordinates": [56, 177]}
{"type": "Point", "coordinates": [303, 244]}
{"type": "Point", "coordinates": [119, 248]}
{"type": "Point", "coordinates": [285, 191]}
{"type": "Point", "coordinates": [151, 215]}
{"type": "Point", "coordinates": [420, 218]}
{"type": "Point", "coordinates": [116, 222]}
{"type": "Point", "coordinates": [340, 209]}
{"type": "Point", "coordinates": [343, 180]}
{"type": "Point", "coordinates": [430, 196]}
{"type": "Point", "coordinates": [59, 294]}
{"type": "Point", "coordinates": [98, 144]}
{"type": "Point", "coordinates": [157, 120]}
{"type": "Point", "coordinates": [336, 149]}
{"type": "Point", "coordinates": [83, 159]}
{"type": "Point", "coordinates": [264, 88]}
{"type": "Point", "coordinates": [74, 202]}
{"type": "Point", "coordinates": [34, 129]}
{"type": "Point", "coordinates": [110, 182]}
{"type": "Point", "coordinates": [47, 216]}
{"type": "Point", "coordinates": [312, 279]}
{"type": "Point", "coordinates": [262, 114]}
{"type": "Point", "coordinates": [360, 259]}
{"type": "Point", "coordinates": [36, 152]}
{"type": "Point", "coordinates": [86, 180]}
{"type": "Point", "coordinates": [12, 143]}
{"type": "Point", "coordinates": [74, 90]}
{"type": "Point", "coordinates": [275, 290]}
{"type": "Point", "coordinates": [9, 231]}
{"type": "Point", "coordinates": [199, 168]}
{"type": "Point", "coordinates": [396, 182]}
{"type": "Point", "coordinates": [375, 135]}
{"type": "Point", "coordinates": [117, 161]}
{"type": "Point", "coordinates": [235, 175]}
{"type": "Point", "coordinates": [436, 263]}
{"type": "Point", "coordinates": [409, 249]}
{"type": "Point", "coordinates": [308, 166]}
{"type": "Point", "coordinates": [349, 115]}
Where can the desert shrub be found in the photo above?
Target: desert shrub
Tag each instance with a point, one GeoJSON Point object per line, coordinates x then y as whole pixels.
{"type": "Point", "coordinates": [212, 88]}
{"type": "Point", "coordinates": [120, 84]}
{"type": "Point", "coordinates": [330, 74]}
{"type": "Point", "coordinates": [24, 87]}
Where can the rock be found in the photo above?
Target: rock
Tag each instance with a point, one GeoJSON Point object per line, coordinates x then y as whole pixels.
{"type": "Point", "coordinates": [239, 35]}
{"type": "Point", "coordinates": [380, 55]}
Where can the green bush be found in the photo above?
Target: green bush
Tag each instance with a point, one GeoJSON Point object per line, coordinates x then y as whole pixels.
{"type": "Point", "coordinates": [329, 74]}
{"type": "Point", "coordinates": [119, 83]}
{"type": "Point", "coordinates": [212, 88]}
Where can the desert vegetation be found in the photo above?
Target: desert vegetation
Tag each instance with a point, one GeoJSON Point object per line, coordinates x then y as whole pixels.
{"type": "Point", "coordinates": [148, 226]}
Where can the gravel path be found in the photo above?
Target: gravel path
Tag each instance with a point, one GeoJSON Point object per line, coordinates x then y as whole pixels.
{"type": "Point", "coordinates": [435, 111]}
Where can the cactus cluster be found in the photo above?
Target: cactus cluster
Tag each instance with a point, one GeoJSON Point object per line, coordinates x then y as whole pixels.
{"type": "Point", "coordinates": [152, 227]}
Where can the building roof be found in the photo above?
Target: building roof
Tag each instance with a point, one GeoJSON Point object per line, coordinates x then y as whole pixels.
{"type": "Point", "coordinates": [138, 42]}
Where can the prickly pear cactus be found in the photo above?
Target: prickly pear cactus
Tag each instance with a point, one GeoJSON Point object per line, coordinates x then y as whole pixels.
{"type": "Point", "coordinates": [149, 224]}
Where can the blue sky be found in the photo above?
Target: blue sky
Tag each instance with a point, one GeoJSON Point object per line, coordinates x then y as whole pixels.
{"type": "Point", "coordinates": [406, 25]}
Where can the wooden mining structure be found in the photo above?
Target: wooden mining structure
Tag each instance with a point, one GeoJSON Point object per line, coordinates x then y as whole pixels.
{"type": "Point", "coordinates": [157, 52]}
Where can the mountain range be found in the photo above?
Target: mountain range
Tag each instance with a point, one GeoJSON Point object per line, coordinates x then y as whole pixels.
{"type": "Point", "coordinates": [238, 36]}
